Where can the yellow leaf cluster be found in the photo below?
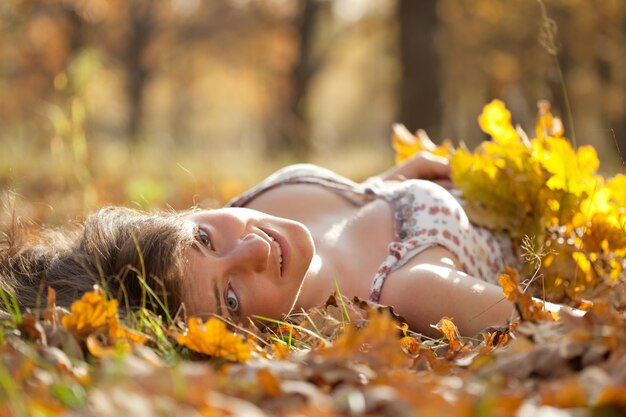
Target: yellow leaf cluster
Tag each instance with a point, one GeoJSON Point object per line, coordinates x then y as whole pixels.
{"type": "Point", "coordinates": [545, 189]}
{"type": "Point", "coordinates": [214, 339]}
{"type": "Point", "coordinates": [502, 180]}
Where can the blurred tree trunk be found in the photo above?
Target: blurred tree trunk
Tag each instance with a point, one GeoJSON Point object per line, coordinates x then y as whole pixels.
{"type": "Point", "coordinates": [77, 31]}
{"type": "Point", "coordinates": [141, 28]}
{"type": "Point", "coordinates": [292, 131]}
{"type": "Point", "coordinates": [620, 132]}
{"type": "Point", "coordinates": [420, 100]}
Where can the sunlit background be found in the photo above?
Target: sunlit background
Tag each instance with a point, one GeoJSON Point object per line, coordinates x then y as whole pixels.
{"type": "Point", "coordinates": [170, 103]}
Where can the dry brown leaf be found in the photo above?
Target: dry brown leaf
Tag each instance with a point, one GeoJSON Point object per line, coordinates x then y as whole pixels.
{"type": "Point", "coordinates": [376, 344]}
{"type": "Point", "coordinates": [564, 393]}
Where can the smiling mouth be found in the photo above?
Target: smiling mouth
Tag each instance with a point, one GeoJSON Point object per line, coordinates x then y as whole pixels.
{"type": "Point", "coordinates": [275, 239]}
{"type": "Point", "coordinates": [279, 251]}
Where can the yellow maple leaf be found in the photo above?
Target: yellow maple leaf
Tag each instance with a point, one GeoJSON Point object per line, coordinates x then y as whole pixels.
{"type": "Point", "coordinates": [495, 120]}
{"type": "Point", "coordinates": [89, 314]}
{"type": "Point", "coordinates": [617, 187]}
{"type": "Point", "coordinates": [214, 339]}
{"type": "Point", "coordinates": [572, 171]}
{"type": "Point", "coordinates": [406, 144]}
{"type": "Point", "coordinates": [598, 202]}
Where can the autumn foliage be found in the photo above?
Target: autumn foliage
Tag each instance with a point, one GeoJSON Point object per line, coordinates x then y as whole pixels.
{"type": "Point", "coordinates": [352, 357]}
{"type": "Point", "coordinates": [567, 219]}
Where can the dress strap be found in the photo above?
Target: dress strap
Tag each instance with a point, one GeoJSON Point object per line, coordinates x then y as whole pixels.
{"type": "Point", "coordinates": [399, 254]}
{"type": "Point", "coordinates": [356, 193]}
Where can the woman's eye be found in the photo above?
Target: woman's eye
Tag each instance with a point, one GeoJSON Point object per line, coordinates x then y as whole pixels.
{"type": "Point", "coordinates": [204, 238]}
{"type": "Point", "coordinates": [232, 303]}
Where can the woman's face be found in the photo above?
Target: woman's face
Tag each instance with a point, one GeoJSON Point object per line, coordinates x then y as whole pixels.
{"type": "Point", "coordinates": [244, 262]}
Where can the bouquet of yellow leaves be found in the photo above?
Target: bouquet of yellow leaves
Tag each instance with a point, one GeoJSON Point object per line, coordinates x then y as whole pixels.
{"type": "Point", "coordinates": [546, 195]}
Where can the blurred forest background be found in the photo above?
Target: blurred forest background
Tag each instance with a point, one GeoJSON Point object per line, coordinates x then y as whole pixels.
{"type": "Point", "coordinates": [177, 102]}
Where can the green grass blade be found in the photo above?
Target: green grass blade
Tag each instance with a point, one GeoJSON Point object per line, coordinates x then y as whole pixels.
{"type": "Point", "coordinates": [344, 313]}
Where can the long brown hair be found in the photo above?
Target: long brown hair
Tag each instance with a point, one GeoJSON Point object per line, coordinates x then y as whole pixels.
{"type": "Point", "coordinates": [136, 256]}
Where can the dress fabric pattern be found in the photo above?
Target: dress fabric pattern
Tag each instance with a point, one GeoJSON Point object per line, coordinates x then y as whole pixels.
{"type": "Point", "coordinates": [425, 215]}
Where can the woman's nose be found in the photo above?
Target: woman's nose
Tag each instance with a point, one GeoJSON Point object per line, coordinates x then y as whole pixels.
{"type": "Point", "coordinates": [251, 252]}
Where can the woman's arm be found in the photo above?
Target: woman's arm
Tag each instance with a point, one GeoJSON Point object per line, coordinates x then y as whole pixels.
{"type": "Point", "coordinates": [423, 165]}
{"type": "Point", "coordinates": [430, 287]}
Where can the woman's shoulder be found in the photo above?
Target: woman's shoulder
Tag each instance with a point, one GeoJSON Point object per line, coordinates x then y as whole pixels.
{"type": "Point", "coordinates": [295, 174]}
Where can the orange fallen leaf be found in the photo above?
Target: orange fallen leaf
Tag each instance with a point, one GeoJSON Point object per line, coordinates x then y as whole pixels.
{"type": "Point", "coordinates": [89, 314]}
{"type": "Point", "coordinates": [527, 308]}
{"type": "Point", "coordinates": [495, 339]}
{"type": "Point", "coordinates": [612, 395]}
{"type": "Point", "coordinates": [118, 332]}
{"type": "Point", "coordinates": [410, 345]}
{"type": "Point", "coordinates": [104, 350]}
{"type": "Point", "coordinates": [376, 343]}
{"type": "Point", "coordinates": [214, 339]}
{"type": "Point", "coordinates": [510, 285]}
{"type": "Point", "coordinates": [92, 314]}
{"type": "Point", "coordinates": [450, 332]}
{"type": "Point", "coordinates": [280, 351]}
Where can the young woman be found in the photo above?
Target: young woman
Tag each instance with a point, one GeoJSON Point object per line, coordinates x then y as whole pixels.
{"type": "Point", "coordinates": [399, 239]}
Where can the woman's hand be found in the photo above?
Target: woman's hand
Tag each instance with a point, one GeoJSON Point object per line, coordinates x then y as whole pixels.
{"type": "Point", "coordinates": [422, 165]}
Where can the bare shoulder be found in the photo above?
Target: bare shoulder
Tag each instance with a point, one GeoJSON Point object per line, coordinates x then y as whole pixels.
{"type": "Point", "coordinates": [299, 190]}
{"type": "Point", "coordinates": [290, 200]}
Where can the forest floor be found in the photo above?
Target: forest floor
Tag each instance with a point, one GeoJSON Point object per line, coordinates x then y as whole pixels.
{"type": "Point", "coordinates": [351, 357]}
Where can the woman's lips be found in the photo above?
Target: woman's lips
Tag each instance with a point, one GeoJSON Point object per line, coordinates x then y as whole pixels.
{"type": "Point", "coordinates": [282, 248]}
